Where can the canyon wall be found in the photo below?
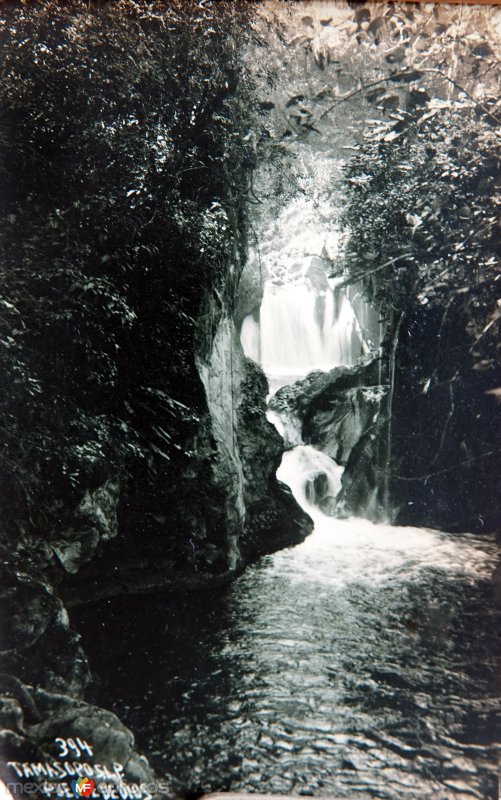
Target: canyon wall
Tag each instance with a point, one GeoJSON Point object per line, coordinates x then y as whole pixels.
{"type": "Point", "coordinates": [136, 455]}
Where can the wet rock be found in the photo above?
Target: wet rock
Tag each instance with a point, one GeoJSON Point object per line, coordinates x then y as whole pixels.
{"type": "Point", "coordinates": [61, 718]}
{"type": "Point", "coordinates": [16, 746]}
{"type": "Point", "coordinates": [340, 414]}
{"type": "Point", "coordinates": [250, 290]}
{"type": "Point", "coordinates": [37, 642]}
{"type": "Point", "coordinates": [17, 699]}
{"type": "Point", "coordinates": [93, 520]}
{"type": "Point", "coordinates": [362, 483]}
{"type": "Point", "coordinates": [316, 488]}
{"type": "Point", "coordinates": [11, 714]}
{"type": "Point", "coordinates": [28, 607]}
{"type": "Point", "coordinates": [329, 506]}
{"type": "Point", "coordinates": [289, 427]}
{"type": "Point", "coordinates": [65, 717]}
{"type": "Point", "coordinates": [319, 388]}
{"type": "Point", "coordinates": [273, 518]}
{"type": "Point", "coordinates": [336, 429]}
{"type": "Point", "coordinates": [335, 408]}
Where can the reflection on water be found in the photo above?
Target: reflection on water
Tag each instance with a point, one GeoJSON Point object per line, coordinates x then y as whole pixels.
{"type": "Point", "coordinates": [360, 664]}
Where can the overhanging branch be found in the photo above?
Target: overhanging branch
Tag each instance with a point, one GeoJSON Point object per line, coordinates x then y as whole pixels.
{"type": "Point", "coordinates": [402, 74]}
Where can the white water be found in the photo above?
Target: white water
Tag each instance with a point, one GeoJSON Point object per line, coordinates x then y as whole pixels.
{"type": "Point", "coordinates": [299, 332]}
{"type": "Point", "coordinates": [250, 337]}
{"type": "Point", "coordinates": [303, 328]}
{"type": "Point", "coordinates": [299, 468]}
{"type": "Point", "coordinates": [341, 552]}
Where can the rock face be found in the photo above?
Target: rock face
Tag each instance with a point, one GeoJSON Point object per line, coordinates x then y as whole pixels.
{"type": "Point", "coordinates": [222, 509]}
{"type": "Point", "coordinates": [434, 458]}
{"type": "Point", "coordinates": [340, 413]}
{"type": "Point", "coordinates": [39, 649]}
{"type": "Point", "coordinates": [446, 431]}
{"type": "Point", "coordinates": [248, 454]}
{"type": "Point", "coordinates": [423, 451]}
{"type": "Point", "coordinates": [337, 421]}
{"type": "Point", "coordinates": [273, 518]}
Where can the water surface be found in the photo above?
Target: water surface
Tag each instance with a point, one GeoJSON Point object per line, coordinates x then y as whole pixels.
{"type": "Point", "coordinates": [360, 664]}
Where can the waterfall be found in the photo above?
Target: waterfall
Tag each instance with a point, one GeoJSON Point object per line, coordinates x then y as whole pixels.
{"type": "Point", "coordinates": [250, 337]}
{"type": "Point", "coordinates": [314, 479]}
{"type": "Point", "coordinates": [304, 324]}
{"type": "Point", "coordinates": [303, 328]}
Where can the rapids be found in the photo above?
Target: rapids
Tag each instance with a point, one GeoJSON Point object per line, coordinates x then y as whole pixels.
{"type": "Point", "coordinates": [359, 664]}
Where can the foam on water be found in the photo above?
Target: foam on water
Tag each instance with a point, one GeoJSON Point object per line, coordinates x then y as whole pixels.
{"type": "Point", "coordinates": [344, 551]}
{"type": "Point", "coordinates": [357, 551]}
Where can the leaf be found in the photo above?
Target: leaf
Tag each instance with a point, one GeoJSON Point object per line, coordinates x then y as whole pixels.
{"type": "Point", "coordinates": [392, 135]}
{"type": "Point", "coordinates": [375, 25]}
{"type": "Point", "coordinates": [429, 115]}
{"type": "Point", "coordinates": [364, 15]}
{"type": "Point", "coordinates": [160, 452]}
{"type": "Point", "coordinates": [482, 50]}
{"type": "Point", "coordinates": [374, 94]}
{"type": "Point", "coordinates": [414, 220]}
{"type": "Point", "coordinates": [390, 101]}
{"type": "Point", "coordinates": [396, 57]}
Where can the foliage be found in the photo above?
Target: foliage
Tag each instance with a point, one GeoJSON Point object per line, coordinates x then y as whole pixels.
{"type": "Point", "coordinates": [405, 98]}
{"type": "Point", "coordinates": [124, 178]}
{"type": "Point", "coordinates": [422, 215]}
{"type": "Point", "coordinates": [321, 73]}
{"type": "Point", "coordinates": [128, 137]}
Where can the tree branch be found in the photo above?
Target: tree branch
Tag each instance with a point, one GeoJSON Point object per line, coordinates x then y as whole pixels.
{"type": "Point", "coordinates": [458, 86]}
{"type": "Point", "coordinates": [447, 469]}
{"type": "Point", "coordinates": [361, 275]}
{"type": "Point", "coordinates": [351, 94]}
{"type": "Point", "coordinates": [402, 74]}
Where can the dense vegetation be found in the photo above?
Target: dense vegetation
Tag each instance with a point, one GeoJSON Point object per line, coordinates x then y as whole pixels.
{"type": "Point", "coordinates": [129, 135]}
{"type": "Point", "coordinates": [423, 235]}
{"type": "Point", "coordinates": [404, 98]}
{"type": "Point", "coordinates": [135, 137]}
{"type": "Point", "coordinates": [124, 180]}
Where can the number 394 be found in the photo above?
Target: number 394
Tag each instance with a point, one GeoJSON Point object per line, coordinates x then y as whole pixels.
{"type": "Point", "coordinates": [73, 747]}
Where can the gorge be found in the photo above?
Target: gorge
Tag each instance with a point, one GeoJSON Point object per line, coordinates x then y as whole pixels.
{"type": "Point", "coordinates": [250, 428]}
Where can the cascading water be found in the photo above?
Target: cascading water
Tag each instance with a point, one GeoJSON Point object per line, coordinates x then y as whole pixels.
{"type": "Point", "coordinates": [304, 327]}
{"type": "Point", "coordinates": [313, 477]}
{"type": "Point", "coordinates": [301, 331]}
{"type": "Point", "coordinates": [250, 336]}
{"type": "Point", "coordinates": [361, 663]}
{"type": "Point", "coordinates": [304, 324]}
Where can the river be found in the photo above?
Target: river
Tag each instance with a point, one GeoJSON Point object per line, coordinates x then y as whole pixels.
{"type": "Point", "coordinates": [359, 664]}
